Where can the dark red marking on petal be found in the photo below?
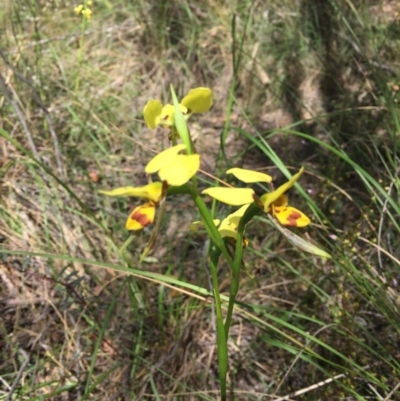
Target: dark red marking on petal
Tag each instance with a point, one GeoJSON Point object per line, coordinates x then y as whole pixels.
{"type": "Point", "coordinates": [292, 219]}
{"type": "Point", "coordinates": [141, 218]}
{"type": "Point", "coordinates": [166, 118]}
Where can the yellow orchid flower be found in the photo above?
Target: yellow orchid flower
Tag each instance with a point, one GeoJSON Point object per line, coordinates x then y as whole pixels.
{"type": "Point", "coordinates": [198, 100]}
{"type": "Point", "coordinates": [143, 215]}
{"type": "Point", "coordinates": [275, 202]}
{"type": "Point", "coordinates": [84, 10]}
{"type": "Point", "coordinates": [229, 226]}
{"type": "Point", "coordinates": [87, 13]}
{"type": "Point", "coordinates": [173, 169]}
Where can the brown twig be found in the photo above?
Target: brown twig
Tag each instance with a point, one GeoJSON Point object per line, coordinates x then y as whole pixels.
{"type": "Point", "coordinates": [19, 374]}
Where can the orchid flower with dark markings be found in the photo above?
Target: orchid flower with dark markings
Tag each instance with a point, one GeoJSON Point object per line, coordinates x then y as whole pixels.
{"type": "Point", "coordinates": [173, 169]}
{"type": "Point", "coordinates": [274, 203]}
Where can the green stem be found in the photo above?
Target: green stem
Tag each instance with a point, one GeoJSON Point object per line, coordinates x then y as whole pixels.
{"type": "Point", "coordinates": [237, 262]}
{"type": "Point", "coordinates": [234, 288]}
{"type": "Point", "coordinates": [126, 244]}
{"type": "Point", "coordinates": [80, 52]}
{"type": "Point", "coordinates": [173, 133]}
{"type": "Point", "coordinates": [209, 225]}
{"type": "Point", "coordinates": [222, 347]}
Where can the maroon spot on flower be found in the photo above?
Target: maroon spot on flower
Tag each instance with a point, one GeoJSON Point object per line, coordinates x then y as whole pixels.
{"type": "Point", "coordinates": [141, 218]}
{"type": "Point", "coordinates": [166, 118]}
{"type": "Point", "coordinates": [292, 219]}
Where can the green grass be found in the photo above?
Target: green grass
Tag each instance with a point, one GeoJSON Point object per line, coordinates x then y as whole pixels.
{"type": "Point", "coordinates": [295, 83]}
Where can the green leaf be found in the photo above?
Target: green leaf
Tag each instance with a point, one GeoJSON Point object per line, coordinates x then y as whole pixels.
{"type": "Point", "coordinates": [299, 242]}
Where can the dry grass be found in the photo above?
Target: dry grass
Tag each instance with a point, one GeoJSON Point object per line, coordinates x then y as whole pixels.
{"type": "Point", "coordinates": [73, 329]}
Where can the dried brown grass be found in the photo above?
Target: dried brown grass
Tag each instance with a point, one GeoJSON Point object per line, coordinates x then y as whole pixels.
{"type": "Point", "coordinates": [53, 310]}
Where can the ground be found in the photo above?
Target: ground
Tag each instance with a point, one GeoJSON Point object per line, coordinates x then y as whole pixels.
{"type": "Point", "coordinates": [296, 83]}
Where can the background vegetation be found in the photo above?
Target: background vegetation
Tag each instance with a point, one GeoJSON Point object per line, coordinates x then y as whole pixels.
{"type": "Point", "coordinates": [305, 82]}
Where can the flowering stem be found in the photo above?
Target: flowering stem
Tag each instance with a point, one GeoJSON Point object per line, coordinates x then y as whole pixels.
{"type": "Point", "coordinates": [237, 262]}
{"type": "Point", "coordinates": [173, 135]}
{"type": "Point", "coordinates": [217, 247]}
{"type": "Point", "coordinates": [209, 225]}
{"type": "Point", "coordinates": [80, 52]}
{"type": "Point", "coordinates": [222, 347]}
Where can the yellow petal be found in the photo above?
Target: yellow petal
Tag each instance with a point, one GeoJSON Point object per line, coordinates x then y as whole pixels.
{"type": "Point", "coordinates": [235, 217]}
{"type": "Point", "coordinates": [198, 100]}
{"type": "Point", "coordinates": [151, 191]}
{"type": "Point", "coordinates": [196, 225]}
{"type": "Point", "coordinates": [167, 114]}
{"type": "Point", "coordinates": [152, 113]}
{"type": "Point", "coordinates": [289, 216]}
{"type": "Point", "coordinates": [228, 230]}
{"type": "Point", "coordinates": [269, 198]}
{"type": "Point", "coordinates": [163, 158]}
{"type": "Point", "coordinates": [78, 9]}
{"type": "Point", "coordinates": [141, 217]}
{"type": "Point", "coordinates": [180, 169]}
{"type": "Point", "coordinates": [281, 201]}
{"type": "Point", "coordinates": [231, 196]}
{"type": "Point", "coordinates": [249, 176]}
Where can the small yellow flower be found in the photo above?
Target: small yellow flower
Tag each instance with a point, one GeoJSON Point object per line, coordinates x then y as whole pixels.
{"type": "Point", "coordinates": [78, 9]}
{"type": "Point", "coordinates": [84, 10]}
{"type": "Point", "coordinates": [275, 202]}
{"type": "Point", "coordinates": [173, 169]}
{"type": "Point", "coordinates": [87, 13]}
{"type": "Point", "coordinates": [198, 100]}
